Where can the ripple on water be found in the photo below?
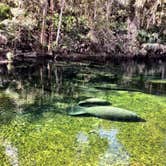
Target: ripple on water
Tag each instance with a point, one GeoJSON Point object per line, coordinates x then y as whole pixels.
{"type": "Point", "coordinates": [115, 154]}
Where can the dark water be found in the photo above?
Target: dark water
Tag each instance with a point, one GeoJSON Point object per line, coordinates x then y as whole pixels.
{"type": "Point", "coordinates": [36, 130]}
{"type": "Point", "coordinates": [131, 76]}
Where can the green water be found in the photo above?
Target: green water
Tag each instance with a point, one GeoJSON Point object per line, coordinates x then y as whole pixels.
{"type": "Point", "coordinates": [36, 130]}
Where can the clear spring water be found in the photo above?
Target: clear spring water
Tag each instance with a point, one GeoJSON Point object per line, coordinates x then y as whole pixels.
{"type": "Point", "coordinates": [36, 130]}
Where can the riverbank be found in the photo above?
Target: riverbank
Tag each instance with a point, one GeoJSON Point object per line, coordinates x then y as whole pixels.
{"type": "Point", "coordinates": [104, 58]}
{"type": "Point", "coordinates": [100, 57]}
{"type": "Point", "coordinates": [96, 31]}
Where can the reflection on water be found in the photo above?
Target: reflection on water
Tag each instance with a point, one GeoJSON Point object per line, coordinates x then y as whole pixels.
{"type": "Point", "coordinates": [82, 144]}
{"type": "Point", "coordinates": [115, 154]}
{"type": "Point", "coordinates": [12, 153]}
{"type": "Point", "coordinates": [55, 77]}
{"type": "Point", "coordinates": [82, 138]}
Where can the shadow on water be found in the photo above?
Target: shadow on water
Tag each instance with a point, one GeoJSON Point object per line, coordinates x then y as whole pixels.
{"type": "Point", "coordinates": [7, 109]}
{"type": "Point", "coordinates": [36, 110]}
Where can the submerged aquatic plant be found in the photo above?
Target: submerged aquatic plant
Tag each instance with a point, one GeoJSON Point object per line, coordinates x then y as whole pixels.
{"type": "Point", "coordinates": [53, 137]}
{"type": "Point", "coordinates": [44, 134]}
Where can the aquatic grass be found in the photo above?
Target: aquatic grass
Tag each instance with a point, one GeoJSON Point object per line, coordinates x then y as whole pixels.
{"type": "Point", "coordinates": [45, 135]}
{"type": "Point", "coordinates": [143, 141]}
{"type": "Point", "coordinates": [42, 141]}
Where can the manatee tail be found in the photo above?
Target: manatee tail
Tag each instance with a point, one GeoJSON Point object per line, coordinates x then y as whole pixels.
{"type": "Point", "coordinates": [140, 119]}
{"type": "Point", "coordinates": [76, 111]}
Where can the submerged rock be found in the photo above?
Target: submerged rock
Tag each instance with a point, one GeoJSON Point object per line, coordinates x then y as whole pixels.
{"type": "Point", "coordinates": [105, 112]}
{"type": "Point", "coordinates": [93, 102]}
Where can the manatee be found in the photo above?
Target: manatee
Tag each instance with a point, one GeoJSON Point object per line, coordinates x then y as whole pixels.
{"type": "Point", "coordinates": [105, 112]}
{"type": "Point", "coordinates": [94, 102]}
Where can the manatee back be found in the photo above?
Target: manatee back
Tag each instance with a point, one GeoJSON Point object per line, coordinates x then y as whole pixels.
{"type": "Point", "coordinates": [106, 112]}
{"type": "Point", "coordinates": [112, 113]}
{"type": "Point", "coordinates": [93, 102]}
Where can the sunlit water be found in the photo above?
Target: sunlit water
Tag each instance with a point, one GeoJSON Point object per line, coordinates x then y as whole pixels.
{"type": "Point", "coordinates": [115, 154]}
{"type": "Point", "coordinates": [36, 130]}
{"type": "Point", "coordinates": [11, 153]}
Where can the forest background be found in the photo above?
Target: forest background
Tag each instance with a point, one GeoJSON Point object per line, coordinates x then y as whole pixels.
{"type": "Point", "coordinates": [104, 27]}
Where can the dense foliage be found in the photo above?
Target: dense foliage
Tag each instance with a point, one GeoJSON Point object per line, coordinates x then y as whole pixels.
{"type": "Point", "coordinates": [110, 26]}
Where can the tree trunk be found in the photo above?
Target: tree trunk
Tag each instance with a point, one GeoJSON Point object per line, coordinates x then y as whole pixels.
{"type": "Point", "coordinates": [43, 28]}
{"type": "Point", "coordinates": [51, 28]}
{"type": "Point", "coordinates": [95, 9]}
{"type": "Point", "coordinates": [133, 24]}
{"type": "Point", "coordinates": [60, 21]}
{"type": "Point", "coordinates": [108, 9]}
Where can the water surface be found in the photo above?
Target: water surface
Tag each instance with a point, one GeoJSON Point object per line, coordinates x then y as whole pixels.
{"type": "Point", "coordinates": [36, 130]}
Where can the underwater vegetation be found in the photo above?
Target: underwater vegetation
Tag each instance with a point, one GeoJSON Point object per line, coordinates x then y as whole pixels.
{"type": "Point", "coordinates": [6, 109]}
{"type": "Point", "coordinates": [35, 128]}
{"type": "Point", "coordinates": [54, 137]}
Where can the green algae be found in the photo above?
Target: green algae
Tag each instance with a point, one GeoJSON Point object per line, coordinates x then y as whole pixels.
{"type": "Point", "coordinates": [145, 142]}
{"type": "Point", "coordinates": [44, 134]}
{"type": "Point", "coordinates": [49, 141]}
{"type": "Point", "coordinates": [51, 138]}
